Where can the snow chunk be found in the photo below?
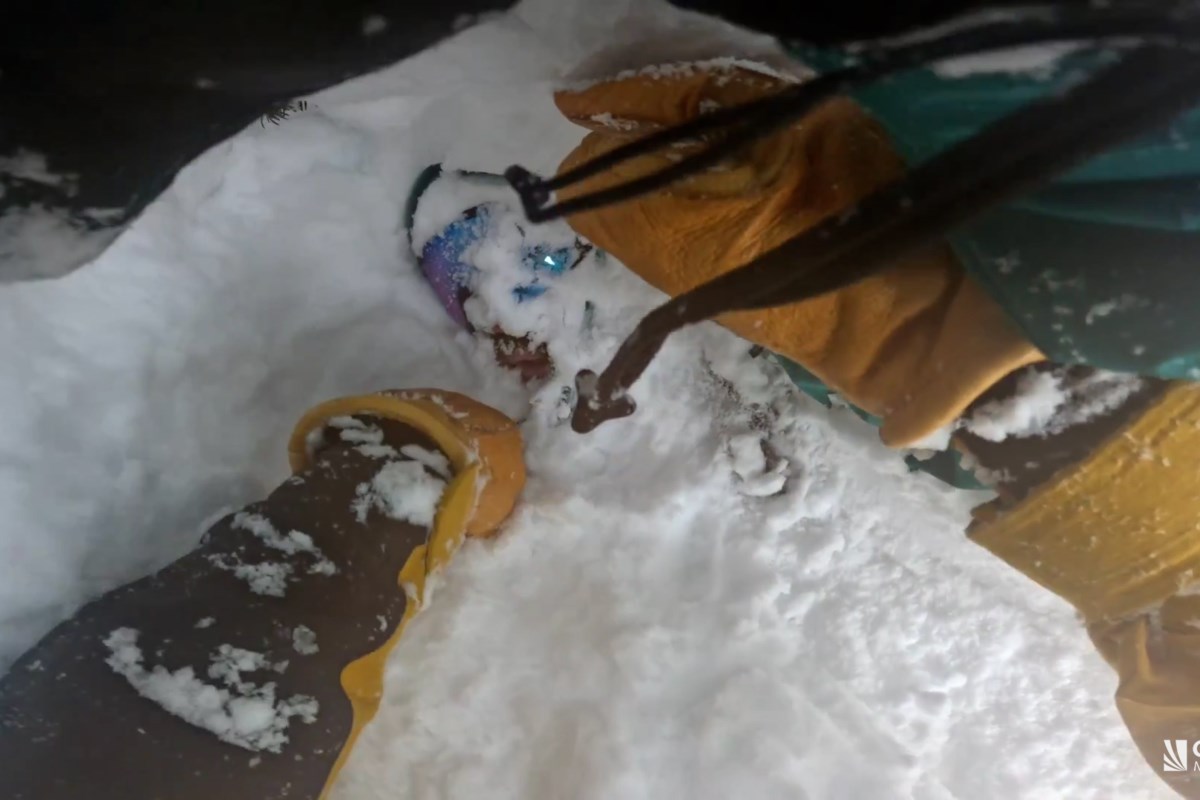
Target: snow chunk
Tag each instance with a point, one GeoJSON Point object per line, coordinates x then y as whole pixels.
{"type": "Point", "coordinates": [1044, 406]}
{"type": "Point", "coordinates": [403, 490]}
{"type": "Point", "coordinates": [1038, 397]}
{"type": "Point", "coordinates": [240, 713]}
{"type": "Point", "coordinates": [304, 640]}
{"type": "Point", "coordinates": [293, 543]}
{"type": "Point", "coordinates": [369, 438]}
{"type": "Point", "coordinates": [434, 460]}
{"type": "Point", "coordinates": [378, 451]}
{"type": "Point", "coordinates": [207, 622]}
{"type": "Point", "coordinates": [364, 435]}
{"type": "Point", "coordinates": [1124, 302]}
{"type": "Point", "coordinates": [314, 441]}
{"type": "Point", "coordinates": [230, 662]}
{"type": "Point", "coordinates": [269, 578]}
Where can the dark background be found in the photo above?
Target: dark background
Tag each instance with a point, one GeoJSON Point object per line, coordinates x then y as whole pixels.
{"type": "Point", "coordinates": [107, 89]}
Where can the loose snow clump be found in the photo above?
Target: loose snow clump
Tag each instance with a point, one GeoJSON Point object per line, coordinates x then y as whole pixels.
{"type": "Point", "coordinates": [403, 490]}
{"type": "Point", "coordinates": [240, 713]}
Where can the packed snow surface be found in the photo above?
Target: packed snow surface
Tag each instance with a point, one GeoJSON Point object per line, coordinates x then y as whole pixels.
{"type": "Point", "coordinates": [733, 593]}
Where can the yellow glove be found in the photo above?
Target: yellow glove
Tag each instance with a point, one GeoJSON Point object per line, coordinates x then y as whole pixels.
{"type": "Point", "coordinates": [914, 344]}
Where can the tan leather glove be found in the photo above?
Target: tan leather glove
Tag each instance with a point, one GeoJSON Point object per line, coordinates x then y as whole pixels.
{"type": "Point", "coordinates": [914, 344]}
{"type": "Point", "coordinates": [1112, 529]}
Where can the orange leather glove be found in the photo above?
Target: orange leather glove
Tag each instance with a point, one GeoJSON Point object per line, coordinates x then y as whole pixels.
{"type": "Point", "coordinates": [914, 344]}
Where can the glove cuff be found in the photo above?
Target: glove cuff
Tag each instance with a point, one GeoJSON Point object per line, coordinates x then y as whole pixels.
{"type": "Point", "coordinates": [1114, 534]}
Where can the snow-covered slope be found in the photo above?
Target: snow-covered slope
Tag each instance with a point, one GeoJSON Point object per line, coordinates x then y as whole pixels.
{"type": "Point", "coordinates": [654, 622]}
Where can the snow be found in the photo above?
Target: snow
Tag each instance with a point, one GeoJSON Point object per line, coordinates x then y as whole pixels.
{"type": "Point", "coordinates": [935, 440]}
{"type": "Point", "coordinates": [304, 640]}
{"type": "Point", "coordinates": [241, 713]}
{"type": "Point", "coordinates": [1044, 405]}
{"type": "Point", "coordinates": [433, 460]}
{"type": "Point", "coordinates": [41, 242]}
{"type": "Point", "coordinates": [355, 431]}
{"type": "Point", "coordinates": [291, 544]}
{"type": "Point", "coordinates": [748, 460]}
{"type": "Point", "coordinates": [643, 627]}
{"type": "Point", "coordinates": [402, 490]}
{"type": "Point", "coordinates": [1123, 302]}
{"type": "Point", "coordinates": [370, 435]}
{"type": "Point", "coordinates": [442, 203]}
{"type": "Point", "coordinates": [1037, 60]}
{"type": "Point", "coordinates": [377, 450]}
{"type": "Point", "coordinates": [269, 578]}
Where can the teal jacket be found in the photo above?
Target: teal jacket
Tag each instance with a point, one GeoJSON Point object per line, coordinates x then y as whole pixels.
{"type": "Point", "coordinates": [1100, 267]}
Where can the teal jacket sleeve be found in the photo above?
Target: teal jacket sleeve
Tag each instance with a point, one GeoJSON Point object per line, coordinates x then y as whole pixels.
{"type": "Point", "coordinates": [1096, 268]}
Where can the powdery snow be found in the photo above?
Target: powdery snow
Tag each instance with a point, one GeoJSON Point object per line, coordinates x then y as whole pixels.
{"type": "Point", "coordinates": [268, 578]}
{"type": "Point", "coordinates": [378, 451]}
{"type": "Point", "coordinates": [291, 544]}
{"type": "Point", "coordinates": [402, 490]}
{"type": "Point", "coordinates": [1039, 395]}
{"type": "Point", "coordinates": [304, 640]}
{"type": "Point", "coordinates": [37, 241]}
{"type": "Point", "coordinates": [1044, 405]}
{"type": "Point", "coordinates": [355, 431]}
{"type": "Point", "coordinates": [241, 713]}
{"type": "Point", "coordinates": [41, 242]}
{"type": "Point", "coordinates": [429, 458]}
{"type": "Point", "coordinates": [642, 628]}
